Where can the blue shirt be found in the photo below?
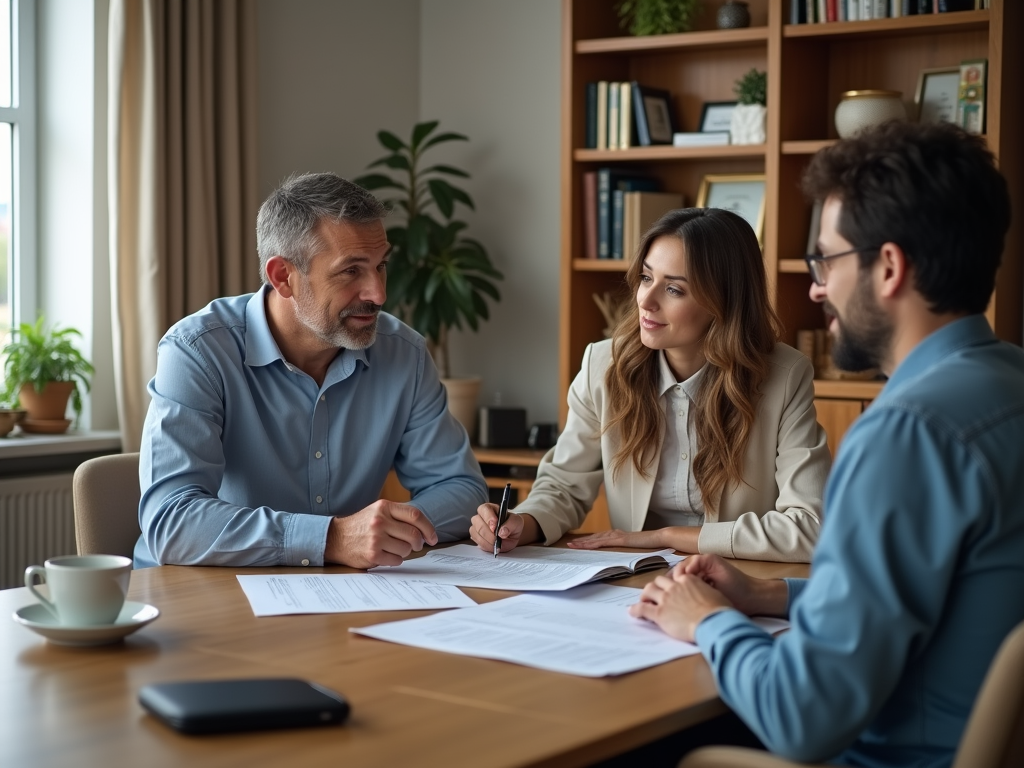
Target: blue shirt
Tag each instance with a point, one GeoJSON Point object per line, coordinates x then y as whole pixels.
{"type": "Point", "coordinates": [245, 459]}
{"type": "Point", "coordinates": [916, 580]}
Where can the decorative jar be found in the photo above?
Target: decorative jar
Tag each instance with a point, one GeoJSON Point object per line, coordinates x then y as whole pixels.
{"type": "Point", "coordinates": [864, 109]}
{"type": "Point", "coordinates": [733, 15]}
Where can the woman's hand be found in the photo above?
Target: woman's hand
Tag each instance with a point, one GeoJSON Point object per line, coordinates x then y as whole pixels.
{"type": "Point", "coordinates": [679, 538]}
{"type": "Point", "coordinates": [752, 596]}
{"type": "Point", "coordinates": [518, 529]}
{"type": "Point", "coordinates": [617, 538]}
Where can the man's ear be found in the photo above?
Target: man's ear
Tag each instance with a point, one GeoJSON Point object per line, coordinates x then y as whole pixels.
{"type": "Point", "coordinates": [892, 271]}
{"type": "Point", "coordinates": [280, 273]}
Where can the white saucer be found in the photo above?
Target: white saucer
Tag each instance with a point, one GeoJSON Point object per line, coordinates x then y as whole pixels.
{"type": "Point", "coordinates": [133, 616]}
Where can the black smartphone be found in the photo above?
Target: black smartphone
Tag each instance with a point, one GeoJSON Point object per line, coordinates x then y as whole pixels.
{"type": "Point", "coordinates": [220, 706]}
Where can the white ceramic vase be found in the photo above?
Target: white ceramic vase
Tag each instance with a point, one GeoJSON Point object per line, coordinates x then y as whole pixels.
{"type": "Point", "coordinates": [865, 109]}
{"type": "Point", "coordinates": [746, 126]}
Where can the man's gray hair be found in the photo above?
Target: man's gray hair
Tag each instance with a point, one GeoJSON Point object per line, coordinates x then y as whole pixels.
{"type": "Point", "coordinates": [287, 222]}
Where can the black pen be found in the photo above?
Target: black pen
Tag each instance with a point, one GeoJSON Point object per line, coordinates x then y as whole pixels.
{"type": "Point", "coordinates": [502, 517]}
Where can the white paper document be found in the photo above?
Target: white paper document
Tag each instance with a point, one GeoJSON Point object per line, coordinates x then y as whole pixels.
{"type": "Point", "coordinates": [577, 637]}
{"type": "Point", "coordinates": [527, 568]}
{"type": "Point", "coordinates": [271, 595]}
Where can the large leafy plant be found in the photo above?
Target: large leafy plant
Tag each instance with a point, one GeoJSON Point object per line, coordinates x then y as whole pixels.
{"type": "Point", "coordinates": [437, 278]}
{"type": "Point", "coordinates": [658, 17]}
{"type": "Point", "coordinates": [37, 356]}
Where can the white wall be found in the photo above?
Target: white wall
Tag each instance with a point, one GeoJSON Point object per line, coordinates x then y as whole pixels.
{"type": "Point", "coordinates": [73, 263]}
{"type": "Point", "coordinates": [334, 72]}
{"type": "Point", "coordinates": [331, 74]}
{"type": "Point", "coordinates": [491, 69]}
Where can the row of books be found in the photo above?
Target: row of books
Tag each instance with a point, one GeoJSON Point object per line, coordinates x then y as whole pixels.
{"type": "Point", "coordinates": [618, 207]}
{"type": "Point", "coordinates": [620, 115]}
{"type": "Point", "coordinates": [816, 11]}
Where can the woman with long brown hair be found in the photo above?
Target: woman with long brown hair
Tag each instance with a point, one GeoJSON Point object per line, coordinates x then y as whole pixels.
{"type": "Point", "coordinates": [700, 424]}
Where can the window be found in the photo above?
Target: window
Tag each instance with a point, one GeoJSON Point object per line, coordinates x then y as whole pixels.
{"type": "Point", "coordinates": [17, 164]}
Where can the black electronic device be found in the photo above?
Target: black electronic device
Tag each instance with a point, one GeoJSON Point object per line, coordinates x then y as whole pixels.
{"type": "Point", "coordinates": [220, 706]}
{"type": "Point", "coordinates": [502, 427]}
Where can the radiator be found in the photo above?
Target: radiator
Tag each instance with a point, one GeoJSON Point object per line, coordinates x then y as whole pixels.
{"type": "Point", "coordinates": [37, 521]}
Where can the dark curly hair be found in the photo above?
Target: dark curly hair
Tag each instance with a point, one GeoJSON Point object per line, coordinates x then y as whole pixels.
{"type": "Point", "coordinates": [933, 190]}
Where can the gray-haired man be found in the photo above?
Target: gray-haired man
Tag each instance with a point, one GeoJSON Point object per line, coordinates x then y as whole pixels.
{"type": "Point", "coordinates": [276, 416]}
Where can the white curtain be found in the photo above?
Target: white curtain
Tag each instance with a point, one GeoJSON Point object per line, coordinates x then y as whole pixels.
{"type": "Point", "coordinates": [182, 174]}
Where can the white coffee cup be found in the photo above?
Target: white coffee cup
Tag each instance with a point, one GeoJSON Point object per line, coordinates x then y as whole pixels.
{"type": "Point", "coordinates": [85, 590]}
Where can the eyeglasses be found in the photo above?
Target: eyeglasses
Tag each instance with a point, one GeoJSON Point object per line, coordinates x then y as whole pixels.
{"type": "Point", "coordinates": [818, 266]}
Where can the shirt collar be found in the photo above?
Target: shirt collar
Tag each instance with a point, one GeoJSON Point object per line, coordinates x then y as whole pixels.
{"type": "Point", "coordinates": [261, 347]}
{"type": "Point", "coordinates": [966, 332]}
{"type": "Point", "coordinates": [667, 379]}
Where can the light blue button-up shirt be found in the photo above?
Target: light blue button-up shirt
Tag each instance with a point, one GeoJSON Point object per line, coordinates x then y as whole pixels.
{"type": "Point", "coordinates": [245, 459]}
{"type": "Point", "coordinates": [917, 578]}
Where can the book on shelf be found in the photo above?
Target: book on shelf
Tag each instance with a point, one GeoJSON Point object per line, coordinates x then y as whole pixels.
{"type": "Point", "coordinates": [613, 114]}
{"type": "Point", "coordinates": [625, 115]}
{"type": "Point", "coordinates": [590, 215]}
{"type": "Point", "coordinates": [609, 179]}
{"type": "Point", "coordinates": [591, 116]}
{"type": "Point", "coordinates": [618, 209]}
{"type": "Point", "coordinates": [640, 211]}
{"type": "Point", "coordinates": [797, 12]}
{"type": "Point", "coordinates": [700, 139]}
{"type": "Point", "coordinates": [602, 114]}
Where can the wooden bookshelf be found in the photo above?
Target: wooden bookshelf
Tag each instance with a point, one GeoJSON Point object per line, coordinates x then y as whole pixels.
{"type": "Point", "coordinates": [809, 67]}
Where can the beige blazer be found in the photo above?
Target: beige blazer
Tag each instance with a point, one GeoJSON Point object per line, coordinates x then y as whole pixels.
{"type": "Point", "coordinates": [775, 514]}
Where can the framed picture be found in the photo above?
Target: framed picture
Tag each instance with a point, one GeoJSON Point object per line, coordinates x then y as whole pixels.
{"type": "Point", "coordinates": [653, 115]}
{"type": "Point", "coordinates": [741, 193]}
{"type": "Point", "coordinates": [938, 91]}
{"type": "Point", "coordinates": [716, 115]}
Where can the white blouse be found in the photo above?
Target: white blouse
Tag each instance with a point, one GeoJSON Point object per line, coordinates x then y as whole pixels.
{"type": "Point", "coordinates": [676, 499]}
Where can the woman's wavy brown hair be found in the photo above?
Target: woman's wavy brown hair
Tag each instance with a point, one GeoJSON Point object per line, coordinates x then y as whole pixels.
{"type": "Point", "coordinates": [726, 276]}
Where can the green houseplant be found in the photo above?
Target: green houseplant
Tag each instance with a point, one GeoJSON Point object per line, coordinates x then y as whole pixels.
{"type": "Point", "coordinates": [42, 369]}
{"type": "Point", "coordinates": [658, 17]}
{"type": "Point", "coordinates": [438, 279]}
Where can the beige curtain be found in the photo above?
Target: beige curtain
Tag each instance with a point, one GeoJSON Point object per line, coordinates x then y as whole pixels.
{"type": "Point", "coordinates": [182, 174]}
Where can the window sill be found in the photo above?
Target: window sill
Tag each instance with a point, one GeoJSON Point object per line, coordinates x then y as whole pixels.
{"type": "Point", "coordinates": [24, 454]}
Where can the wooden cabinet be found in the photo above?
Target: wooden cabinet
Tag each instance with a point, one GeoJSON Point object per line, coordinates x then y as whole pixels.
{"type": "Point", "coordinates": [808, 66]}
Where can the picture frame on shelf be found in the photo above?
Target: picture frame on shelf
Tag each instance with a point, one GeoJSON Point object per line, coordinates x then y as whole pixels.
{"type": "Point", "coordinates": [937, 94]}
{"type": "Point", "coordinates": [716, 116]}
{"type": "Point", "coordinates": [741, 193]}
{"type": "Point", "coordinates": [654, 108]}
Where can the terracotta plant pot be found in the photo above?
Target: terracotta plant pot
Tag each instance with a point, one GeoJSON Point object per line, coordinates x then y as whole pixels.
{"type": "Point", "coordinates": [48, 405]}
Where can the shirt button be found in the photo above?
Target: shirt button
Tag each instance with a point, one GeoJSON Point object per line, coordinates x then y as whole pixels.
{"type": "Point", "coordinates": [683, 457]}
{"type": "Point", "coordinates": [318, 454]}
{"type": "Point", "coordinates": [305, 561]}
{"type": "Point", "coordinates": [322, 398]}
{"type": "Point", "coordinates": [319, 499]}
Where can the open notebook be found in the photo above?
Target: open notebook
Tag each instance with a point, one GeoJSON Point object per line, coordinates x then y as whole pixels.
{"type": "Point", "coordinates": [528, 568]}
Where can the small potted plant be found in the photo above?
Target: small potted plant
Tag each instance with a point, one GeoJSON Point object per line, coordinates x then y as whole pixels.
{"type": "Point", "coordinates": [658, 17]}
{"type": "Point", "coordinates": [42, 370]}
{"type": "Point", "coordinates": [438, 279]}
{"type": "Point", "coordinates": [747, 122]}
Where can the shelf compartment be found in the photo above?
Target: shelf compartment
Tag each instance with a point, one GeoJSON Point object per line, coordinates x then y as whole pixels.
{"type": "Point", "coordinates": [958, 21]}
{"type": "Point", "coordinates": [600, 265]}
{"type": "Point", "coordinates": [847, 389]}
{"type": "Point", "coordinates": [717, 38]}
{"type": "Point", "coordinates": [665, 152]}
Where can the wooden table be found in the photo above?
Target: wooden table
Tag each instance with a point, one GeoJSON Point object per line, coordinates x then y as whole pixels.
{"type": "Point", "coordinates": [78, 706]}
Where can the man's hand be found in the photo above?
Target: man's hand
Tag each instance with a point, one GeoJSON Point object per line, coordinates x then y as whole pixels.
{"type": "Point", "coordinates": [754, 597]}
{"type": "Point", "coordinates": [677, 603]}
{"type": "Point", "coordinates": [518, 529]}
{"type": "Point", "coordinates": [383, 533]}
